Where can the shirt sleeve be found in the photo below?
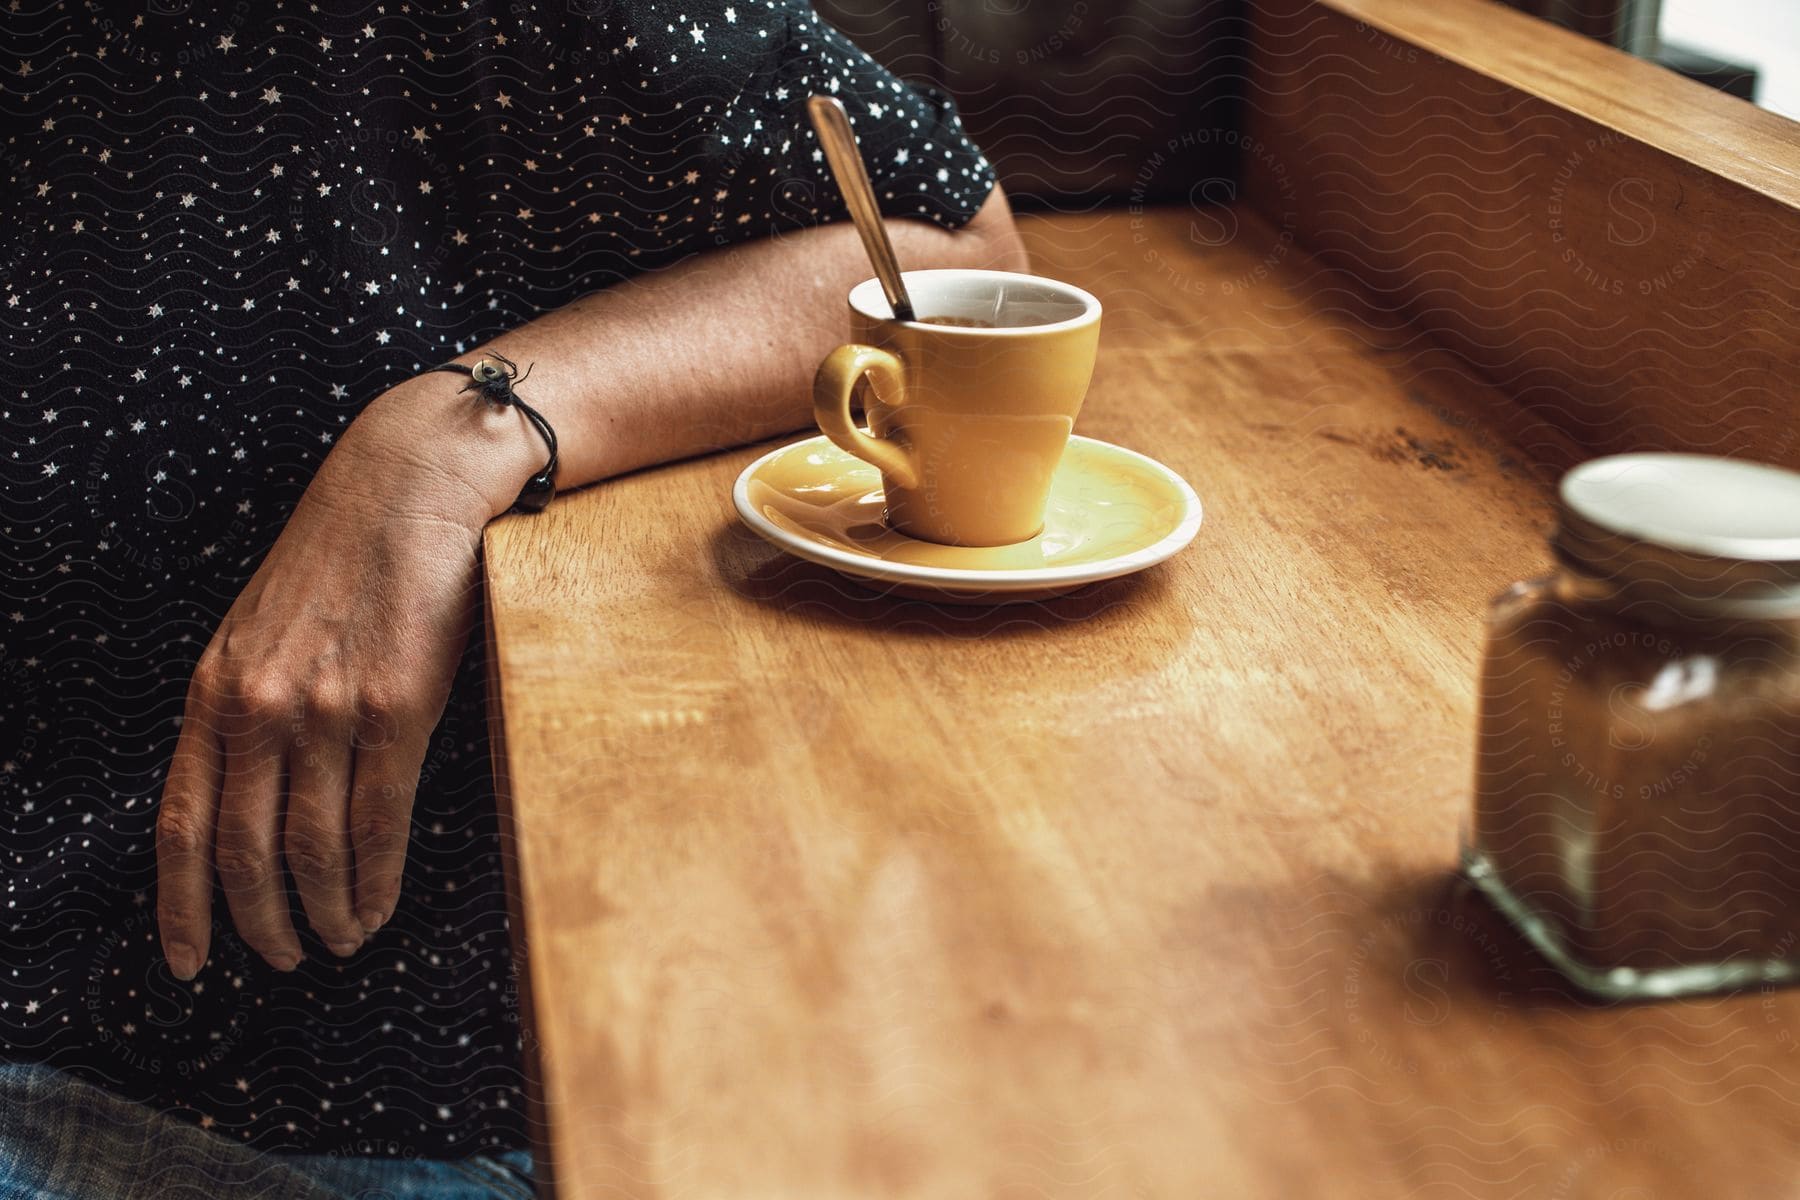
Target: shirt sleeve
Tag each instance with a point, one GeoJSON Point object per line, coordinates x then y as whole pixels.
{"type": "Point", "coordinates": [773, 174]}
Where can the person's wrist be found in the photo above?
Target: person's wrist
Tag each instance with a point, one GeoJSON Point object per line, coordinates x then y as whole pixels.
{"type": "Point", "coordinates": [487, 451]}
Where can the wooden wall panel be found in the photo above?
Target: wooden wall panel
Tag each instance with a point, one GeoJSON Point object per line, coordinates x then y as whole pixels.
{"type": "Point", "coordinates": [1615, 247]}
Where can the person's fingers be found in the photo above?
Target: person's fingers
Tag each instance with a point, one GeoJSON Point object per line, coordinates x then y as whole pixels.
{"type": "Point", "coordinates": [247, 847]}
{"type": "Point", "coordinates": [316, 833]}
{"type": "Point", "coordinates": [389, 752]}
{"type": "Point", "coordinates": [184, 837]}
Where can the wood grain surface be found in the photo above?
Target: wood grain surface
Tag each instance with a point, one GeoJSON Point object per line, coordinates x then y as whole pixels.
{"type": "Point", "coordinates": [1615, 246]}
{"type": "Point", "coordinates": [1146, 892]}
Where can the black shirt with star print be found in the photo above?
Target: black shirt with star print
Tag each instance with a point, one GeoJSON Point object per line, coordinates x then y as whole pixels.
{"type": "Point", "coordinates": [226, 225]}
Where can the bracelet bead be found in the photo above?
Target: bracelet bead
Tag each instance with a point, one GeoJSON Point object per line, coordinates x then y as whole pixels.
{"type": "Point", "coordinates": [493, 377]}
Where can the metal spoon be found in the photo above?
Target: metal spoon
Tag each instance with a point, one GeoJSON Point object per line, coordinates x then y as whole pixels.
{"type": "Point", "coordinates": [839, 143]}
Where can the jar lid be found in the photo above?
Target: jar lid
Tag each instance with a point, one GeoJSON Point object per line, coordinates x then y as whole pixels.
{"type": "Point", "coordinates": [1694, 526]}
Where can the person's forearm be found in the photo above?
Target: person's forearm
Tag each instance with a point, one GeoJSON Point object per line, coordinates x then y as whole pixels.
{"type": "Point", "coordinates": [716, 351]}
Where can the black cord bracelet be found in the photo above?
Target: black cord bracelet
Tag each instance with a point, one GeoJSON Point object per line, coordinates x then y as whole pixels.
{"type": "Point", "coordinates": [493, 377]}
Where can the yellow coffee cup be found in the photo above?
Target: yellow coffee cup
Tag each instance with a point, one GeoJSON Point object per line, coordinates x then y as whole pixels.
{"type": "Point", "coordinates": [967, 420]}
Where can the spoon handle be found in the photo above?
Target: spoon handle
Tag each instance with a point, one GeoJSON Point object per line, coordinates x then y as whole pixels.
{"type": "Point", "coordinates": [839, 143]}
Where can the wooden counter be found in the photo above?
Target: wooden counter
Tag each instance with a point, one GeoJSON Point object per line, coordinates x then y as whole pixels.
{"type": "Point", "coordinates": [1147, 892]}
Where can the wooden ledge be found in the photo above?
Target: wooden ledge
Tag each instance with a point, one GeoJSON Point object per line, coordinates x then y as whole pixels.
{"type": "Point", "coordinates": [1723, 135]}
{"type": "Point", "coordinates": [1615, 248]}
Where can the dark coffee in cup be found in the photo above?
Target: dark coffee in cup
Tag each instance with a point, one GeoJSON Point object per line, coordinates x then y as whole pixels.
{"type": "Point", "coordinates": [962, 322]}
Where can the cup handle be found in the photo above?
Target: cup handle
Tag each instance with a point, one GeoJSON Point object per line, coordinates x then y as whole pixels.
{"type": "Point", "coordinates": [832, 386]}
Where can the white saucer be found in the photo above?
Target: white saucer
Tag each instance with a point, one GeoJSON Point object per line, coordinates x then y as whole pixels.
{"type": "Point", "coordinates": [1111, 512]}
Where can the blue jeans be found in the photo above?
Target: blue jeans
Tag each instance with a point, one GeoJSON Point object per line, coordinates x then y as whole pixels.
{"type": "Point", "coordinates": [64, 1139]}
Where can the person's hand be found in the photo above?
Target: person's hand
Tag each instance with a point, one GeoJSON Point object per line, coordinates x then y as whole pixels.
{"type": "Point", "coordinates": [309, 714]}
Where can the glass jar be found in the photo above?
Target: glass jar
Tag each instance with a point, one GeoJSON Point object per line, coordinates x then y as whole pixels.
{"type": "Point", "coordinates": [1637, 799]}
